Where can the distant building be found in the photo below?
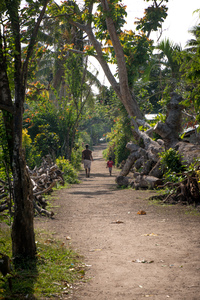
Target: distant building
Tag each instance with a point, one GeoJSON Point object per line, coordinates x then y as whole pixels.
{"type": "Point", "coordinates": [151, 117]}
{"type": "Point", "coordinates": [191, 135]}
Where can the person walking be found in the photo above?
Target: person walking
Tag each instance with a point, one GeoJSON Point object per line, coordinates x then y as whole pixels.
{"type": "Point", "coordinates": [110, 163]}
{"type": "Point", "coordinates": [87, 158]}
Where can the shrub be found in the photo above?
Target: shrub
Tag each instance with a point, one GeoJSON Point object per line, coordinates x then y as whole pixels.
{"type": "Point", "coordinates": [172, 165]}
{"type": "Point", "coordinates": [119, 136]}
{"type": "Point", "coordinates": [70, 174]}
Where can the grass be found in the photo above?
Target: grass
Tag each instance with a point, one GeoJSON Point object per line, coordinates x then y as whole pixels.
{"type": "Point", "coordinates": [193, 211]}
{"type": "Point", "coordinates": [189, 209]}
{"type": "Point", "coordinates": [53, 272]}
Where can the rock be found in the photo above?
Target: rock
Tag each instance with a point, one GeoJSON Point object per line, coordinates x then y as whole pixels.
{"type": "Point", "coordinates": [146, 182]}
{"type": "Point", "coordinates": [122, 181]}
{"type": "Point", "coordinates": [188, 151]}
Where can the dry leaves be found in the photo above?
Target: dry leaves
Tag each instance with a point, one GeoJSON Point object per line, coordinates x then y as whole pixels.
{"type": "Point", "coordinates": [141, 212]}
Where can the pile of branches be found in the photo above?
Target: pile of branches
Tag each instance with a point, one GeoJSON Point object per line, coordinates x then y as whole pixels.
{"type": "Point", "coordinates": [186, 191]}
{"type": "Point", "coordinates": [43, 179]}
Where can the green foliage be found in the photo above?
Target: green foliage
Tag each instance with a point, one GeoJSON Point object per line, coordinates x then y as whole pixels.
{"type": "Point", "coordinates": [118, 137]}
{"type": "Point", "coordinates": [189, 61]}
{"type": "Point", "coordinates": [117, 11]}
{"type": "Point", "coordinates": [53, 271]}
{"type": "Point", "coordinates": [4, 151]}
{"type": "Point", "coordinates": [46, 142]}
{"type": "Point", "coordinates": [142, 91]}
{"type": "Point", "coordinates": [97, 122]}
{"type": "Point", "coordinates": [153, 18]}
{"type": "Point", "coordinates": [172, 165]}
{"type": "Point", "coordinates": [48, 127]}
{"type": "Point", "coordinates": [69, 173]}
{"type": "Point", "coordinates": [85, 136]}
{"type": "Point", "coordinates": [137, 50]}
{"type": "Point", "coordinates": [76, 156]}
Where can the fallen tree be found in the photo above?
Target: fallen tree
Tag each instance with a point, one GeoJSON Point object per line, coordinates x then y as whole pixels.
{"type": "Point", "coordinates": [144, 160]}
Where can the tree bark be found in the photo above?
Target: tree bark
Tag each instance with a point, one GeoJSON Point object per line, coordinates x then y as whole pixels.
{"type": "Point", "coordinates": [23, 238]}
{"type": "Point", "coordinates": [169, 131]}
{"type": "Point", "coordinates": [6, 104]}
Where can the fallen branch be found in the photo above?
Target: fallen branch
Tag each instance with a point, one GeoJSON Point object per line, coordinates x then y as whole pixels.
{"type": "Point", "coordinates": [46, 190]}
{"type": "Point", "coordinates": [3, 207]}
{"type": "Point", "coordinates": [42, 210]}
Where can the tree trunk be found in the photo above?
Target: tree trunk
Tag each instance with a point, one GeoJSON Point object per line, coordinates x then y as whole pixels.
{"type": "Point", "coordinates": [169, 131]}
{"type": "Point", "coordinates": [23, 238]}
{"type": "Point", "coordinates": [6, 101]}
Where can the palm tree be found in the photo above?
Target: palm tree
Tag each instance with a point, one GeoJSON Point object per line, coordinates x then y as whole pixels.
{"type": "Point", "coordinates": [167, 55]}
{"type": "Point", "coordinates": [194, 44]}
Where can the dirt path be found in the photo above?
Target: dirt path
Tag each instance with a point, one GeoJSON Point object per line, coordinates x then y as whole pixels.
{"type": "Point", "coordinates": [167, 239]}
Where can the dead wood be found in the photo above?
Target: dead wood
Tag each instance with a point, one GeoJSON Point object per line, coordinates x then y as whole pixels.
{"type": "Point", "coordinates": [43, 179]}
{"type": "Point", "coordinates": [122, 181]}
{"type": "Point", "coordinates": [42, 210]}
{"type": "Point", "coordinates": [145, 182]}
{"type": "Point", "coordinates": [46, 190]}
{"type": "Point", "coordinates": [3, 195]}
{"type": "Point", "coordinates": [41, 201]}
{"type": "Point", "coordinates": [185, 192]}
{"type": "Point", "coordinates": [3, 207]}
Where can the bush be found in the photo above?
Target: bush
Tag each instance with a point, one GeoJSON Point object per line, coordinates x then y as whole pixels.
{"type": "Point", "coordinates": [172, 165]}
{"type": "Point", "coordinates": [119, 136]}
{"type": "Point", "coordinates": [76, 155]}
{"type": "Point", "coordinates": [70, 175]}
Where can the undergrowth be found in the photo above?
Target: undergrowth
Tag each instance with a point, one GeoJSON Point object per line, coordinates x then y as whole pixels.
{"type": "Point", "coordinates": [52, 273]}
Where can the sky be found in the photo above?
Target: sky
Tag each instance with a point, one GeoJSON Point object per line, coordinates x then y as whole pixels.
{"type": "Point", "coordinates": [179, 20]}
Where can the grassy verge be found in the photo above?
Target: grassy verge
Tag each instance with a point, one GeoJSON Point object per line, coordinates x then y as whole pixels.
{"type": "Point", "coordinates": [51, 275]}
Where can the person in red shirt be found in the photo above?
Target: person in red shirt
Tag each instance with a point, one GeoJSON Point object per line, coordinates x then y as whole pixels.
{"type": "Point", "coordinates": [86, 159]}
{"type": "Point", "coordinates": [109, 165]}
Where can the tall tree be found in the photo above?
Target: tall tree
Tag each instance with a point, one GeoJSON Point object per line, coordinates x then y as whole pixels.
{"type": "Point", "coordinates": [17, 26]}
{"type": "Point", "coordinates": [105, 27]}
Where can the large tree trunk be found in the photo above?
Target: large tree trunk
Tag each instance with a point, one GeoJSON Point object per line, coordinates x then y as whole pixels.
{"type": "Point", "coordinates": [169, 131]}
{"type": "Point", "coordinates": [23, 241]}
{"type": "Point", "coordinates": [23, 238]}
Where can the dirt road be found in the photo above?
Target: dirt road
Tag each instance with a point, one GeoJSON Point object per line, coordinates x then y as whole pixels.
{"type": "Point", "coordinates": [129, 256]}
